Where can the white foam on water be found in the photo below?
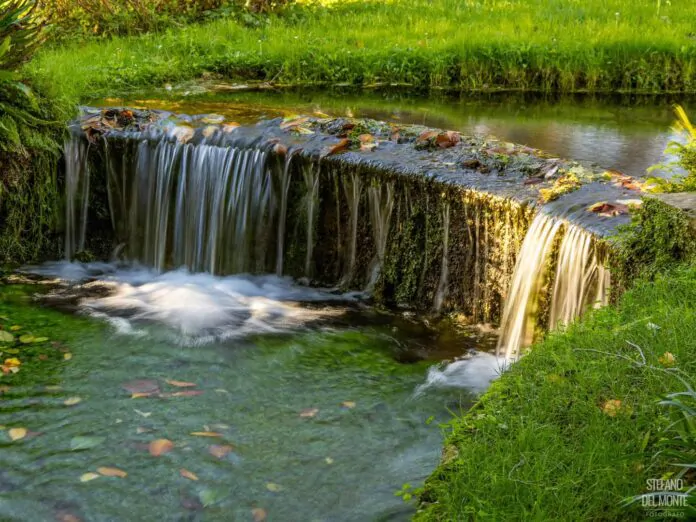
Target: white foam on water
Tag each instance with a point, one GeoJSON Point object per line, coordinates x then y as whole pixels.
{"type": "Point", "coordinates": [474, 373]}
{"type": "Point", "coordinates": [198, 308]}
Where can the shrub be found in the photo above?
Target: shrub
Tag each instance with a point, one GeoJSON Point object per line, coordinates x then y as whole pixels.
{"type": "Point", "coordinates": [683, 168]}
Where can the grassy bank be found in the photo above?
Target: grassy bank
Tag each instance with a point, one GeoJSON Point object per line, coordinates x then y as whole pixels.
{"type": "Point", "coordinates": [548, 443]}
{"type": "Point", "coordinates": [575, 427]}
{"type": "Point", "coordinates": [557, 45]}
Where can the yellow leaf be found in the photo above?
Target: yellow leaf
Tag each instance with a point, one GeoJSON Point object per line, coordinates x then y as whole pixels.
{"type": "Point", "coordinates": [666, 359]}
{"type": "Point", "coordinates": [13, 362]}
{"type": "Point", "coordinates": [329, 460]}
{"type": "Point", "coordinates": [17, 433]}
{"type": "Point", "coordinates": [88, 476]}
{"type": "Point", "coordinates": [72, 401]}
{"type": "Point", "coordinates": [67, 356]}
{"type": "Point", "coordinates": [180, 384]}
{"type": "Point", "coordinates": [140, 395]}
{"type": "Point", "coordinates": [187, 474]}
{"type": "Point", "coordinates": [160, 447]}
{"type": "Point", "coordinates": [112, 472]}
{"type": "Point", "coordinates": [15, 327]}
{"type": "Point", "coordinates": [206, 434]}
{"type": "Point", "coordinates": [275, 488]}
{"type": "Point", "coordinates": [40, 339]}
{"type": "Point", "coordinates": [26, 339]}
{"type": "Point", "coordinates": [348, 404]}
{"type": "Point", "coordinates": [612, 407]}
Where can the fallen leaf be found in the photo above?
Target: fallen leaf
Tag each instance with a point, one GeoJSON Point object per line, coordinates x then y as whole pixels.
{"type": "Point", "coordinates": [219, 451]}
{"type": "Point", "coordinates": [141, 430]}
{"type": "Point", "coordinates": [259, 514]}
{"type": "Point", "coordinates": [280, 149]}
{"type": "Point", "coordinates": [229, 127]}
{"type": "Point", "coordinates": [88, 476]}
{"type": "Point", "coordinates": [145, 414]}
{"type": "Point", "coordinates": [425, 137]}
{"type": "Point", "coordinates": [348, 404]}
{"type": "Point", "coordinates": [666, 359]}
{"type": "Point", "coordinates": [26, 339]}
{"type": "Point", "coordinates": [17, 433]}
{"type": "Point", "coordinates": [67, 356]}
{"type": "Point", "coordinates": [72, 401]}
{"type": "Point", "coordinates": [12, 362]}
{"type": "Point", "coordinates": [612, 407]}
{"type": "Point", "coordinates": [341, 146]}
{"type": "Point", "coordinates": [206, 434]}
{"type": "Point", "coordinates": [275, 488]}
{"type": "Point", "coordinates": [6, 337]}
{"type": "Point", "coordinates": [187, 474]}
{"type": "Point", "coordinates": [293, 122]}
{"type": "Point", "coordinates": [141, 395]}
{"type": "Point", "coordinates": [15, 327]}
{"type": "Point", "coordinates": [160, 447]}
{"type": "Point", "coordinates": [112, 472]}
{"type": "Point", "coordinates": [309, 412]}
{"type": "Point", "coordinates": [186, 393]}
{"type": "Point", "coordinates": [447, 139]}
{"type": "Point", "coordinates": [605, 209]}
{"type": "Point", "coordinates": [329, 460]}
{"type": "Point", "coordinates": [141, 386]}
{"type": "Point", "coordinates": [180, 384]}
{"type": "Point", "coordinates": [85, 442]}
{"type": "Point", "coordinates": [64, 516]}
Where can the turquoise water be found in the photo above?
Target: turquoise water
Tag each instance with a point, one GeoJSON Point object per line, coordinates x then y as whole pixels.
{"type": "Point", "coordinates": [316, 420]}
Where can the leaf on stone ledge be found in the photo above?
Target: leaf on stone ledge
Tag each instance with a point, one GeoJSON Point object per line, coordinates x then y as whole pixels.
{"type": "Point", "coordinates": [606, 209]}
{"type": "Point", "coordinates": [341, 146]}
{"type": "Point", "coordinates": [447, 139]}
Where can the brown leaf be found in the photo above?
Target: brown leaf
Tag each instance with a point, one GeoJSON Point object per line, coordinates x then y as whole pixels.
{"type": "Point", "coordinates": [141, 386]}
{"type": "Point", "coordinates": [141, 395]}
{"type": "Point", "coordinates": [426, 136]}
{"type": "Point", "coordinates": [341, 146]}
{"type": "Point", "coordinates": [259, 514]}
{"type": "Point", "coordinates": [160, 447]}
{"type": "Point", "coordinates": [65, 516]}
{"type": "Point", "coordinates": [447, 139]}
{"type": "Point", "coordinates": [187, 393]}
{"type": "Point", "coordinates": [605, 209]}
{"type": "Point", "coordinates": [112, 472]}
{"type": "Point", "coordinates": [280, 149]}
{"type": "Point", "coordinates": [206, 434]}
{"type": "Point", "coordinates": [180, 384]}
{"type": "Point", "coordinates": [187, 474]}
{"type": "Point", "coordinates": [309, 412]}
{"type": "Point", "coordinates": [219, 451]}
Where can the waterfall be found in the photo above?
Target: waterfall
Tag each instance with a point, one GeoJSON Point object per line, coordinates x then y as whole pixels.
{"type": "Point", "coordinates": [352, 188]}
{"type": "Point", "coordinates": [580, 280]}
{"type": "Point", "coordinates": [444, 269]}
{"type": "Point", "coordinates": [284, 188]}
{"type": "Point", "coordinates": [77, 174]}
{"type": "Point", "coordinates": [381, 202]}
{"type": "Point", "coordinates": [311, 179]}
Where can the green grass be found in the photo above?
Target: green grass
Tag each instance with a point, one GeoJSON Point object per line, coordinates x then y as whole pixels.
{"type": "Point", "coordinates": [548, 45]}
{"type": "Point", "coordinates": [539, 445]}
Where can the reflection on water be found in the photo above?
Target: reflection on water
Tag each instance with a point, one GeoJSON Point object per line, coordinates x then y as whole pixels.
{"type": "Point", "coordinates": [627, 133]}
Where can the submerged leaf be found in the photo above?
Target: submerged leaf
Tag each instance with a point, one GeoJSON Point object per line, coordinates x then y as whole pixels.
{"type": "Point", "coordinates": [275, 488]}
{"type": "Point", "coordinates": [348, 404]}
{"type": "Point", "coordinates": [187, 474]}
{"type": "Point", "coordinates": [141, 386]}
{"type": "Point", "coordinates": [85, 442]}
{"type": "Point", "coordinates": [180, 384]}
{"type": "Point", "coordinates": [219, 451]}
{"type": "Point", "coordinates": [88, 476]}
{"type": "Point", "coordinates": [112, 472]}
{"type": "Point", "coordinates": [259, 514]}
{"type": "Point", "coordinates": [206, 434]}
{"type": "Point", "coordinates": [6, 337]}
{"type": "Point", "coordinates": [17, 433]}
{"type": "Point", "coordinates": [72, 401]}
{"type": "Point", "coordinates": [26, 339]}
{"type": "Point", "coordinates": [160, 447]}
{"type": "Point", "coordinates": [309, 412]}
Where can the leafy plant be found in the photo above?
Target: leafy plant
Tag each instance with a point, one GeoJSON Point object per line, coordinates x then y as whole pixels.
{"type": "Point", "coordinates": [20, 33]}
{"type": "Point", "coordinates": [684, 167]}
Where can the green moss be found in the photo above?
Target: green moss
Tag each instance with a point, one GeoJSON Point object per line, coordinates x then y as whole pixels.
{"type": "Point", "coordinates": [658, 238]}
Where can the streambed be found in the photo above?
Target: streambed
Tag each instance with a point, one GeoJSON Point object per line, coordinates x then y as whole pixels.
{"type": "Point", "coordinates": [315, 412]}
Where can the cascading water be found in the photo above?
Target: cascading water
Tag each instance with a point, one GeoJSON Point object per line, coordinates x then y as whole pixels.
{"type": "Point", "coordinates": [353, 189]}
{"type": "Point", "coordinates": [311, 179]}
{"type": "Point", "coordinates": [77, 174]}
{"type": "Point", "coordinates": [381, 200]}
{"type": "Point", "coordinates": [282, 220]}
{"type": "Point", "coordinates": [444, 269]}
{"type": "Point", "coordinates": [580, 280]}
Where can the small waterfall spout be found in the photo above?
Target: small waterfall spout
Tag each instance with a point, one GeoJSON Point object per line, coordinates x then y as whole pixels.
{"type": "Point", "coordinates": [580, 281]}
{"type": "Point", "coordinates": [381, 200]}
{"type": "Point", "coordinates": [444, 269]}
{"type": "Point", "coordinates": [311, 179]}
{"type": "Point", "coordinates": [352, 188]}
{"type": "Point", "coordinates": [77, 174]}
